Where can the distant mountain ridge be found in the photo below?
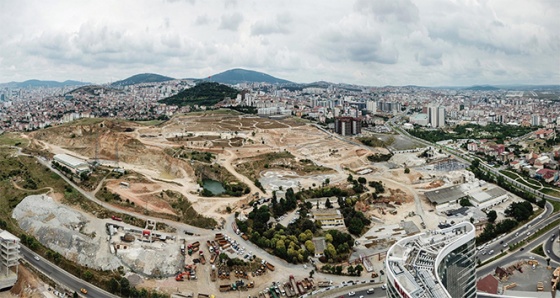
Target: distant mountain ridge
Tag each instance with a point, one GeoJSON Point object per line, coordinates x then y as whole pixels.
{"type": "Point", "coordinates": [142, 78]}
{"type": "Point", "coordinates": [238, 75]}
{"type": "Point", "coordinates": [40, 83]}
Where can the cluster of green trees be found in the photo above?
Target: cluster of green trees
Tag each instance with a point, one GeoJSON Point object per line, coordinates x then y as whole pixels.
{"type": "Point", "coordinates": [121, 286]}
{"type": "Point", "coordinates": [354, 220]}
{"type": "Point", "coordinates": [499, 132]}
{"type": "Point", "coordinates": [491, 231]}
{"type": "Point", "coordinates": [378, 157]}
{"type": "Point", "coordinates": [352, 271]}
{"type": "Point", "coordinates": [293, 243]}
{"type": "Point", "coordinates": [282, 206]}
{"type": "Point", "coordinates": [203, 94]}
{"type": "Point", "coordinates": [376, 142]}
{"type": "Point", "coordinates": [520, 210]}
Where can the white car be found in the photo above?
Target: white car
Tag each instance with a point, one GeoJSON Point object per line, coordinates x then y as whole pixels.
{"type": "Point", "coordinates": [351, 294]}
{"type": "Point", "coordinates": [36, 257]}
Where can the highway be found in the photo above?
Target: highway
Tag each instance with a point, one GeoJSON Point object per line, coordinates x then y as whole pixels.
{"type": "Point", "coordinates": [62, 277]}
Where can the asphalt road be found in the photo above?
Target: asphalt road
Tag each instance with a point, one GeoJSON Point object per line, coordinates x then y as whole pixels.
{"type": "Point", "coordinates": [503, 242]}
{"type": "Point", "coordinates": [68, 280]}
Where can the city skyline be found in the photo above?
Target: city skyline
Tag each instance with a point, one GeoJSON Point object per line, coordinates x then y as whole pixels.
{"type": "Point", "coordinates": [378, 43]}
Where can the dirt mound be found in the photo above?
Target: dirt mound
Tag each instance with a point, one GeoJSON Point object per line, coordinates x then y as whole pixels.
{"type": "Point", "coordinates": [109, 140]}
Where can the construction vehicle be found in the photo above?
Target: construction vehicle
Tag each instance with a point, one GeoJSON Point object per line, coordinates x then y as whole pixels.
{"type": "Point", "coordinates": [301, 290]}
{"type": "Point", "coordinates": [289, 290]}
{"type": "Point", "coordinates": [293, 283]}
{"type": "Point", "coordinates": [225, 288]}
{"type": "Point", "coordinates": [272, 293]}
{"type": "Point", "coordinates": [213, 258]}
{"type": "Point", "coordinates": [324, 284]}
{"type": "Point", "coordinates": [202, 259]}
{"type": "Point", "coordinates": [213, 273]}
{"type": "Point", "coordinates": [270, 266]}
{"type": "Point", "coordinates": [181, 276]}
{"type": "Point", "coordinates": [251, 285]}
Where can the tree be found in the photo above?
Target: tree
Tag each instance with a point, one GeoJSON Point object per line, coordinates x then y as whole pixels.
{"type": "Point", "coordinates": [359, 269]}
{"type": "Point", "coordinates": [310, 246]}
{"type": "Point", "coordinates": [328, 238]}
{"type": "Point", "coordinates": [311, 273]}
{"type": "Point", "coordinates": [350, 270]}
{"type": "Point", "coordinates": [350, 178]}
{"type": "Point", "coordinates": [328, 204]}
{"type": "Point", "coordinates": [492, 215]}
{"type": "Point", "coordinates": [88, 275]}
{"type": "Point", "coordinates": [362, 180]}
{"type": "Point", "coordinates": [406, 170]}
{"type": "Point", "coordinates": [356, 226]}
{"type": "Point", "coordinates": [464, 202]}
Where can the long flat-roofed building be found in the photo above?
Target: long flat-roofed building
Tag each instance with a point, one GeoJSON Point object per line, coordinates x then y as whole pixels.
{"type": "Point", "coordinates": [75, 164]}
{"type": "Point", "coordinates": [435, 264]}
{"type": "Point", "coordinates": [9, 259]}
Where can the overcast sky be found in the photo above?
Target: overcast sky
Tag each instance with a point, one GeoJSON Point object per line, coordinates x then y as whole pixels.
{"type": "Point", "coordinates": [367, 42]}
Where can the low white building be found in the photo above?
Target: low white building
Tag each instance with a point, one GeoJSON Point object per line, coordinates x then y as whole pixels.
{"type": "Point", "coordinates": [75, 164]}
{"type": "Point", "coordinates": [488, 198]}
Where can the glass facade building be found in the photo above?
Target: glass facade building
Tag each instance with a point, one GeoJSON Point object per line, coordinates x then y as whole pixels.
{"type": "Point", "coordinates": [438, 264]}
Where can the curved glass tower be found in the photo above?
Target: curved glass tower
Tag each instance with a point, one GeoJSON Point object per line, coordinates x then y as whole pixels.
{"type": "Point", "coordinates": [439, 264]}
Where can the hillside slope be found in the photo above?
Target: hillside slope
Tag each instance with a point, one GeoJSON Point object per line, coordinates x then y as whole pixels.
{"type": "Point", "coordinates": [238, 75]}
{"type": "Point", "coordinates": [204, 94]}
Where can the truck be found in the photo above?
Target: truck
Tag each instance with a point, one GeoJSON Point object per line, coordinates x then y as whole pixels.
{"type": "Point", "coordinates": [289, 290]}
{"type": "Point", "coordinates": [540, 286]}
{"type": "Point", "coordinates": [225, 288]}
{"type": "Point", "coordinates": [195, 244]}
{"type": "Point", "coordinates": [324, 284]}
{"type": "Point", "coordinates": [244, 236]}
{"type": "Point", "coordinates": [202, 258]}
{"type": "Point", "coordinates": [113, 217]}
{"type": "Point", "coordinates": [183, 249]}
{"type": "Point", "coordinates": [213, 258]}
{"type": "Point", "coordinates": [293, 283]}
{"type": "Point", "coordinates": [272, 293]}
{"type": "Point", "coordinates": [270, 266]}
{"type": "Point", "coordinates": [213, 273]}
{"type": "Point", "coordinates": [301, 290]}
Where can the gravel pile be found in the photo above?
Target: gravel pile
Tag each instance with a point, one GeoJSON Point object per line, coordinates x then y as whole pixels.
{"type": "Point", "coordinates": [83, 239]}
{"type": "Point", "coordinates": [59, 228]}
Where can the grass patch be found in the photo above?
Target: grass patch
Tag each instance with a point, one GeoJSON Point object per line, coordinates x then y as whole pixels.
{"type": "Point", "coordinates": [551, 192]}
{"type": "Point", "coordinates": [13, 139]}
{"type": "Point", "coordinates": [539, 251]}
{"type": "Point", "coordinates": [555, 205]}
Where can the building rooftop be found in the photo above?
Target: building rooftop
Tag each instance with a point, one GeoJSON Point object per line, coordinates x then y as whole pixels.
{"type": "Point", "coordinates": [5, 235]}
{"type": "Point", "coordinates": [70, 160]}
{"type": "Point", "coordinates": [413, 261]}
{"type": "Point", "coordinates": [444, 195]}
{"type": "Point", "coordinates": [487, 195]}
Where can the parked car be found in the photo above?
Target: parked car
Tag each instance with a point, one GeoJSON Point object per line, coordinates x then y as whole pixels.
{"type": "Point", "coordinates": [352, 293]}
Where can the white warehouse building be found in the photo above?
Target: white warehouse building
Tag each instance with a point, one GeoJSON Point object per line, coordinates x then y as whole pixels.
{"type": "Point", "coordinates": [75, 164]}
{"type": "Point", "coordinates": [488, 198]}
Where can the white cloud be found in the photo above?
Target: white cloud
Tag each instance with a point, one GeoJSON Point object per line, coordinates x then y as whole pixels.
{"type": "Point", "coordinates": [381, 42]}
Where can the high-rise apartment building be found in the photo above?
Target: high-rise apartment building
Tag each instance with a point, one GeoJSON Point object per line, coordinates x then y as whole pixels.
{"type": "Point", "coordinates": [436, 116]}
{"type": "Point", "coordinates": [438, 264]}
{"type": "Point", "coordinates": [347, 126]}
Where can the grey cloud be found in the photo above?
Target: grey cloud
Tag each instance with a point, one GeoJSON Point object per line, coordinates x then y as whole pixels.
{"type": "Point", "coordinates": [231, 21]}
{"type": "Point", "coordinates": [202, 20]}
{"type": "Point", "coordinates": [279, 25]}
{"type": "Point", "coordinates": [426, 58]}
{"type": "Point", "coordinates": [389, 10]}
{"type": "Point", "coordinates": [357, 46]}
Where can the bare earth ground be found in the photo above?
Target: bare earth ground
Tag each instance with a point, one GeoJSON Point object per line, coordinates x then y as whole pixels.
{"type": "Point", "coordinates": [233, 138]}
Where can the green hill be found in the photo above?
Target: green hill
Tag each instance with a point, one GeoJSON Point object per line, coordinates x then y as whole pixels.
{"type": "Point", "coordinates": [142, 78]}
{"type": "Point", "coordinates": [238, 75]}
{"type": "Point", "coordinates": [203, 94]}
